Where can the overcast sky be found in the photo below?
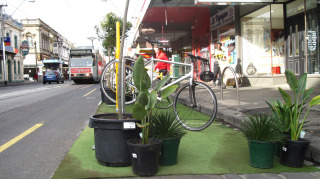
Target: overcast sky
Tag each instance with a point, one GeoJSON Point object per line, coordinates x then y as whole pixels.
{"type": "Point", "coordinates": [73, 19]}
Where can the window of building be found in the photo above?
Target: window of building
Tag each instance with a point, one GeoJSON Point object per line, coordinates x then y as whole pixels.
{"type": "Point", "coordinates": [277, 39]}
{"type": "Point", "coordinates": [313, 61]}
{"type": "Point", "coordinates": [19, 66]}
{"type": "Point", "coordinates": [15, 41]}
{"type": "Point", "coordinates": [14, 67]}
{"type": "Point", "coordinates": [8, 34]}
{"type": "Point", "coordinates": [30, 41]}
{"type": "Point", "coordinates": [256, 42]}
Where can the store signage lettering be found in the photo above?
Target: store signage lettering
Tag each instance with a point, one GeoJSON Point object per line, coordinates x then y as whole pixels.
{"type": "Point", "coordinates": [80, 70]}
{"type": "Point", "coordinates": [224, 17]}
{"type": "Point", "coordinates": [312, 40]}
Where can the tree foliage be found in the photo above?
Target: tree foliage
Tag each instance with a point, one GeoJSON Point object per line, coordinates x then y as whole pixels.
{"type": "Point", "coordinates": [107, 32]}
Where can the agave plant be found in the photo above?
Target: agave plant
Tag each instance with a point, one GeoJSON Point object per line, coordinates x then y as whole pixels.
{"type": "Point", "coordinates": [146, 101]}
{"type": "Point", "coordinates": [165, 125]}
{"type": "Point", "coordinates": [261, 127]}
{"type": "Point", "coordinates": [300, 97]}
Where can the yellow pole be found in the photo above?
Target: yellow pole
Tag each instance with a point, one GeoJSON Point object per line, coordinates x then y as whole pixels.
{"type": "Point", "coordinates": [117, 59]}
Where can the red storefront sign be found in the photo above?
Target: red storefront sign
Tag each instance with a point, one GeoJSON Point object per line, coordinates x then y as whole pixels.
{"type": "Point", "coordinates": [80, 70]}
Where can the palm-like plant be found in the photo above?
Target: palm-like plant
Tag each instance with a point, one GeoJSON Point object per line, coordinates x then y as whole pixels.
{"type": "Point", "coordinates": [261, 127]}
{"type": "Point", "coordinates": [165, 125]}
{"type": "Point", "coordinates": [300, 97]}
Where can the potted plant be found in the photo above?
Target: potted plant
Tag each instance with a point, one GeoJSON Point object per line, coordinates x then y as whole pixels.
{"type": "Point", "coordinates": [164, 126]}
{"type": "Point", "coordinates": [262, 134]}
{"type": "Point", "coordinates": [294, 149]}
{"type": "Point", "coordinates": [145, 151]}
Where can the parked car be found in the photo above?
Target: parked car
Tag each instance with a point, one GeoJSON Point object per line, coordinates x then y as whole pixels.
{"type": "Point", "coordinates": [26, 76]}
{"type": "Point", "coordinates": [52, 76]}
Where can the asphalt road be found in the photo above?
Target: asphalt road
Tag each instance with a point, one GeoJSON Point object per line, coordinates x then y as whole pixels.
{"type": "Point", "coordinates": [39, 123]}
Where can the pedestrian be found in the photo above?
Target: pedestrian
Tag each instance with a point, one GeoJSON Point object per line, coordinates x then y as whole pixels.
{"type": "Point", "coordinates": [218, 54]}
{"type": "Point", "coordinates": [162, 66]}
{"type": "Point", "coordinates": [35, 77]}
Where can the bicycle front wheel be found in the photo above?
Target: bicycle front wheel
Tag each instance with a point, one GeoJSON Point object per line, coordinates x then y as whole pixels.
{"type": "Point", "coordinates": [195, 106]}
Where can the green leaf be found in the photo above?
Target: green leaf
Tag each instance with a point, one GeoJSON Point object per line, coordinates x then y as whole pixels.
{"type": "Point", "coordinates": [315, 101]}
{"type": "Point", "coordinates": [307, 93]}
{"type": "Point", "coordinates": [143, 98]}
{"type": "Point", "coordinates": [301, 85]}
{"type": "Point", "coordinates": [139, 111]}
{"type": "Point", "coordinates": [286, 97]}
{"type": "Point", "coordinates": [168, 91]}
{"type": "Point", "coordinates": [140, 76]}
{"type": "Point", "coordinates": [142, 126]}
{"type": "Point", "coordinates": [161, 83]}
{"type": "Point", "coordinates": [152, 100]}
{"type": "Point", "coordinates": [291, 80]}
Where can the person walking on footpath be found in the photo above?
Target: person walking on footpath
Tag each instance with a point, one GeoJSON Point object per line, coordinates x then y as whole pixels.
{"type": "Point", "coordinates": [162, 66]}
{"type": "Point", "coordinates": [218, 54]}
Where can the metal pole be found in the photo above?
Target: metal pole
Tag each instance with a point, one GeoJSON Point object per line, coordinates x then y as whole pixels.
{"type": "Point", "coordinates": [3, 48]}
{"type": "Point", "coordinates": [35, 51]}
{"type": "Point", "coordinates": [122, 62]}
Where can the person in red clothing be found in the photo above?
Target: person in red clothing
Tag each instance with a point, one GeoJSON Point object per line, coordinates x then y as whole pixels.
{"type": "Point", "coordinates": [162, 66]}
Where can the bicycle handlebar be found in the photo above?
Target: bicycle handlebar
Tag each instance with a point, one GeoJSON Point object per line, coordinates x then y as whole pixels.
{"type": "Point", "coordinates": [197, 58]}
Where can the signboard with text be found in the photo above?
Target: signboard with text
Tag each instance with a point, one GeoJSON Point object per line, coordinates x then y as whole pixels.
{"type": "Point", "coordinates": [312, 40]}
{"type": "Point", "coordinates": [222, 18]}
{"type": "Point", "coordinates": [24, 48]}
{"type": "Point", "coordinates": [80, 70]}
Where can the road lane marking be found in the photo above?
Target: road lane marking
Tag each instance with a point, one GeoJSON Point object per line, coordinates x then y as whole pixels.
{"type": "Point", "coordinates": [89, 92]}
{"type": "Point", "coordinates": [19, 137]}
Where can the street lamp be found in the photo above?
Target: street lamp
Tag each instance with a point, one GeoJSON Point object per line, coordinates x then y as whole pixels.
{"type": "Point", "coordinates": [92, 39]}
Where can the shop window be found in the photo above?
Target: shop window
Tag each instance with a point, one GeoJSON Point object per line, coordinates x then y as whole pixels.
{"type": "Point", "coordinates": [277, 39]}
{"type": "Point", "coordinates": [313, 61]}
{"type": "Point", "coordinates": [256, 42]}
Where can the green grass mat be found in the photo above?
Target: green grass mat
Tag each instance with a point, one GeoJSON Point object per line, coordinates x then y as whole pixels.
{"type": "Point", "coordinates": [215, 150]}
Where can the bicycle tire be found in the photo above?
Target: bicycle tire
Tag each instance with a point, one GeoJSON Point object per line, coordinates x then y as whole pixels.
{"type": "Point", "coordinates": [105, 81]}
{"type": "Point", "coordinates": [187, 114]}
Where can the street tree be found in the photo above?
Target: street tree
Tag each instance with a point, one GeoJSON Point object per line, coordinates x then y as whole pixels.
{"type": "Point", "coordinates": [107, 32]}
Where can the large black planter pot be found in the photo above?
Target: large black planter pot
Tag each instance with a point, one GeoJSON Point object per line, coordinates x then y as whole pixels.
{"type": "Point", "coordinates": [293, 152]}
{"type": "Point", "coordinates": [110, 93]}
{"type": "Point", "coordinates": [169, 151]}
{"type": "Point", "coordinates": [110, 137]}
{"type": "Point", "coordinates": [145, 158]}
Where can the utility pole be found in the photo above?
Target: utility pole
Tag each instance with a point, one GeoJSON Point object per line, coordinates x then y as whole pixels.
{"type": "Point", "coordinates": [35, 51]}
{"type": "Point", "coordinates": [3, 47]}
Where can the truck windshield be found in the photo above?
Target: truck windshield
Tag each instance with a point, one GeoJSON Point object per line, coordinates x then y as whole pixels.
{"type": "Point", "coordinates": [81, 62]}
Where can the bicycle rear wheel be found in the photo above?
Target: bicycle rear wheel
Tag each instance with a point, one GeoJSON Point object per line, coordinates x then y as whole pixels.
{"type": "Point", "coordinates": [195, 108]}
{"type": "Point", "coordinates": [108, 83]}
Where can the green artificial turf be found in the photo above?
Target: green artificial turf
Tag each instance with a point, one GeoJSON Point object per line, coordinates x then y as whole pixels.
{"type": "Point", "coordinates": [215, 150]}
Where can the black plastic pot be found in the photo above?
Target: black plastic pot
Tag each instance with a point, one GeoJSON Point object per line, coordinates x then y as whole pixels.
{"type": "Point", "coordinates": [293, 152]}
{"type": "Point", "coordinates": [169, 151]}
{"type": "Point", "coordinates": [110, 93]}
{"type": "Point", "coordinates": [145, 158]}
{"type": "Point", "coordinates": [110, 137]}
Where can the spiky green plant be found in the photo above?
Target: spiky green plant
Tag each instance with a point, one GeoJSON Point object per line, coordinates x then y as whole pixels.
{"type": "Point", "coordinates": [300, 97]}
{"type": "Point", "coordinates": [146, 101]}
{"type": "Point", "coordinates": [261, 127]}
{"type": "Point", "coordinates": [165, 125]}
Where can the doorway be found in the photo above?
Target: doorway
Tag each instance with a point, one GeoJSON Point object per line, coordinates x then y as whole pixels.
{"type": "Point", "coordinates": [295, 32]}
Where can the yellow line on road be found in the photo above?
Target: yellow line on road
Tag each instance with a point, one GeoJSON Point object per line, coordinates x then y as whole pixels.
{"type": "Point", "coordinates": [19, 137]}
{"type": "Point", "coordinates": [89, 92]}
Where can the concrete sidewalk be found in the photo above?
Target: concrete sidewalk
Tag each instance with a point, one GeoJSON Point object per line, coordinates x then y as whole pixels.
{"type": "Point", "coordinates": [253, 101]}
